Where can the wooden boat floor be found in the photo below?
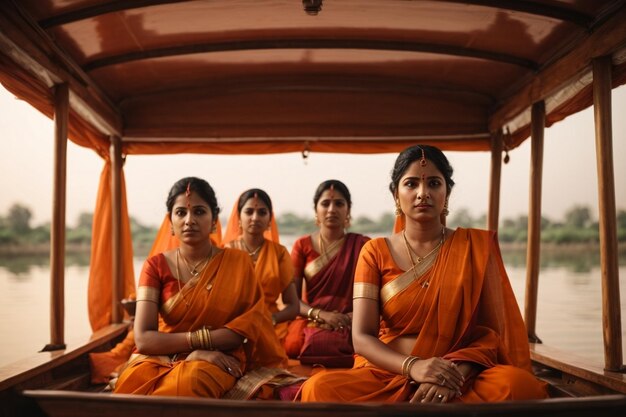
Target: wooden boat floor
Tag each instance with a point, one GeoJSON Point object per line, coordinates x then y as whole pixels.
{"type": "Point", "coordinates": [71, 403]}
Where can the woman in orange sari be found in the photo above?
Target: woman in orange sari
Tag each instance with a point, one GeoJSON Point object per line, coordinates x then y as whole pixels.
{"type": "Point", "coordinates": [324, 264]}
{"type": "Point", "coordinates": [435, 319]}
{"type": "Point", "coordinates": [200, 312]}
{"type": "Point", "coordinates": [251, 219]}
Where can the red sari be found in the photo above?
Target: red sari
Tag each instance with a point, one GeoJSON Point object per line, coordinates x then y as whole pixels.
{"type": "Point", "coordinates": [329, 282]}
{"type": "Point", "coordinates": [466, 313]}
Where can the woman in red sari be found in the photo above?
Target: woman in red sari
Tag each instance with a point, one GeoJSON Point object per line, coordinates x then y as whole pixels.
{"type": "Point", "coordinates": [251, 220]}
{"type": "Point", "coordinates": [435, 319]}
{"type": "Point", "coordinates": [200, 318]}
{"type": "Point", "coordinates": [324, 265]}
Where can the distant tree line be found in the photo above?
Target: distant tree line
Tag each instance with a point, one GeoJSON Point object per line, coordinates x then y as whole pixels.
{"type": "Point", "coordinates": [578, 226]}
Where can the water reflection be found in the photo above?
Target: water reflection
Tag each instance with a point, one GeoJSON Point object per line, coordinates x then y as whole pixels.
{"type": "Point", "coordinates": [574, 259]}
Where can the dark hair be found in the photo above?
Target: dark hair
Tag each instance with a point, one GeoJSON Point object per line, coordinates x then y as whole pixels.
{"type": "Point", "coordinates": [248, 194]}
{"type": "Point", "coordinates": [337, 185]}
{"type": "Point", "coordinates": [414, 153]}
{"type": "Point", "coordinates": [198, 186]}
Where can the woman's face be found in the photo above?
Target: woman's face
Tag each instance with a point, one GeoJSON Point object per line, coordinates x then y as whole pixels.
{"type": "Point", "coordinates": [255, 216]}
{"type": "Point", "coordinates": [192, 219]}
{"type": "Point", "coordinates": [422, 191]}
{"type": "Point", "coordinates": [332, 209]}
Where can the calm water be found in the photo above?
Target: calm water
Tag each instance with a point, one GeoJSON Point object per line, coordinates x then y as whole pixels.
{"type": "Point", "coordinates": [568, 317]}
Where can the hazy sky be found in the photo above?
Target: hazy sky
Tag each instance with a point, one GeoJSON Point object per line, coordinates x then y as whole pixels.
{"type": "Point", "coordinates": [569, 172]}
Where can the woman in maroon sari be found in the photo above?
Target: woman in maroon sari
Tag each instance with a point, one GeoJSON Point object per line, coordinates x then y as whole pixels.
{"type": "Point", "coordinates": [324, 265]}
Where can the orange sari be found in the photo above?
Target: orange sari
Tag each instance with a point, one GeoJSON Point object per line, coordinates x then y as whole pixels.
{"type": "Point", "coordinates": [467, 313]}
{"type": "Point", "coordinates": [227, 294]}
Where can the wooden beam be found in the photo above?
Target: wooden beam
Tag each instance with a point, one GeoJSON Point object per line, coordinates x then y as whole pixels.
{"type": "Point", "coordinates": [538, 120]}
{"type": "Point", "coordinates": [494, 181]}
{"type": "Point", "coordinates": [57, 228]}
{"type": "Point", "coordinates": [311, 43]}
{"type": "Point", "coordinates": [611, 314]}
{"type": "Point", "coordinates": [116, 215]}
{"type": "Point", "coordinates": [32, 49]}
{"type": "Point", "coordinates": [608, 38]}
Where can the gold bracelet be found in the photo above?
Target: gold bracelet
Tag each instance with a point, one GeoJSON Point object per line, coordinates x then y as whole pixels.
{"type": "Point", "coordinates": [308, 313]}
{"type": "Point", "coordinates": [195, 341]}
{"type": "Point", "coordinates": [407, 364]}
{"type": "Point", "coordinates": [317, 316]}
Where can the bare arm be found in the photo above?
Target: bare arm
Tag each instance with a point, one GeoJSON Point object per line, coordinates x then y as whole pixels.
{"type": "Point", "coordinates": [292, 305]}
{"type": "Point", "coordinates": [151, 341]}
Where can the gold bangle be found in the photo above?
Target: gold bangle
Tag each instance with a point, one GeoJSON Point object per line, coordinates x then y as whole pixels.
{"type": "Point", "coordinates": [189, 341]}
{"type": "Point", "coordinates": [308, 313]}
{"type": "Point", "coordinates": [407, 364]}
{"type": "Point", "coordinates": [208, 332]}
{"type": "Point", "coordinates": [317, 316]}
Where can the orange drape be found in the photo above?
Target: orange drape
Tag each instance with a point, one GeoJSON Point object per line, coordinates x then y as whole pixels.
{"type": "Point", "coordinates": [99, 293]}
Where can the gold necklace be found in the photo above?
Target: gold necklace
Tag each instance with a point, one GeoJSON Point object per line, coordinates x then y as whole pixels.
{"type": "Point", "coordinates": [320, 242]}
{"type": "Point", "coordinates": [195, 271]}
{"type": "Point", "coordinates": [180, 291]}
{"type": "Point", "coordinates": [414, 263]}
{"type": "Point", "coordinates": [254, 252]}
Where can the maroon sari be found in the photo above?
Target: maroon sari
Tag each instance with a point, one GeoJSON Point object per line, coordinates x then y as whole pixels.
{"type": "Point", "coordinates": [329, 282]}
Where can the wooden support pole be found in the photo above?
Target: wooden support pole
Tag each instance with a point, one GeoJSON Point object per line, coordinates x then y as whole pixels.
{"type": "Point", "coordinates": [538, 121]}
{"type": "Point", "coordinates": [494, 181]}
{"type": "Point", "coordinates": [611, 314]}
{"type": "Point", "coordinates": [57, 228]}
{"type": "Point", "coordinates": [116, 235]}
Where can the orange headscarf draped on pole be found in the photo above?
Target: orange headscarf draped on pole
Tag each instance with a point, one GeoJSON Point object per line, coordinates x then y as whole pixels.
{"type": "Point", "coordinates": [99, 293]}
{"type": "Point", "coordinates": [233, 230]}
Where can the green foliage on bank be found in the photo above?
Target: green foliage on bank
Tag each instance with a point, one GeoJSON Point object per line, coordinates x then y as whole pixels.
{"type": "Point", "coordinates": [578, 226]}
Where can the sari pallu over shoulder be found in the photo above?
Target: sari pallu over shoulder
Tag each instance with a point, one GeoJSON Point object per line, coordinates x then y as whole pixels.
{"type": "Point", "coordinates": [329, 278]}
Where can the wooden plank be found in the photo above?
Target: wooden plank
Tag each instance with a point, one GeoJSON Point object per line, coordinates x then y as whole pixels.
{"type": "Point", "coordinates": [534, 219]}
{"type": "Point", "coordinates": [611, 313]}
{"type": "Point", "coordinates": [572, 364]}
{"type": "Point", "coordinates": [21, 371]}
{"type": "Point", "coordinates": [74, 404]}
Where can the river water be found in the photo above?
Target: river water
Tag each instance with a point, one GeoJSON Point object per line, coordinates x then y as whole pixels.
{"type": "Point", "coordinates": [568, 316]}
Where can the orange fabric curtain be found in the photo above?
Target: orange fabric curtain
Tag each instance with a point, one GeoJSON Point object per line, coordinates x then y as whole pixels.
{"type": "Point", "coordinates": [99, 293]}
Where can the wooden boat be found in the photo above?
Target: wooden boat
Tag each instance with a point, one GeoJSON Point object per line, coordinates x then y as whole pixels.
{"type": "Point", "coordinates": [165, 76]}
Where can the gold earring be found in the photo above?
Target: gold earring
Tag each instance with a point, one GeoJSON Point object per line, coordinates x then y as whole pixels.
{"type": "Point", "coordinates": [317, 220]}
{"type": "Point", "coordinates": [445, 210]}
{"type": "Point", "coordinates": [398, 211]}
{"type": "Point", "coordinates": [172, 231]}
{"type": "Point", "coordinates": [347, 222]}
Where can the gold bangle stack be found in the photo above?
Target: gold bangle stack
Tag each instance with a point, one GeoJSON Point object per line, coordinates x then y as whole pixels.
{"type": "Point", "coordinates": [308, 313]}
{"type": "Point", "coordinates": [314, 315]}
{"type": "Point", "coordinates": [407, 364]}
{"type": "Point", "coordinates": [201, 339]}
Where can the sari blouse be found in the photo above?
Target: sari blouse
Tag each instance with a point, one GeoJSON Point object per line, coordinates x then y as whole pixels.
{"type": "Point", "coordinates": [468, 311]}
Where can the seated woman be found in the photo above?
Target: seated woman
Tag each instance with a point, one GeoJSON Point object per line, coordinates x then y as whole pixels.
{"type": "Point", "coordinates": [324, 264]}
{"type": "Point", "coordinates": [252, 218]}
{"type": "Point", "coordinates": [435, 319]}
{"type": "Point", "coordinates": [200, 315]}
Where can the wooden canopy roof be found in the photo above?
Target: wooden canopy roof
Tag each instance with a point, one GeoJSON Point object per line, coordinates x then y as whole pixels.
{"type": "Point", "coordinates": [252, 76]}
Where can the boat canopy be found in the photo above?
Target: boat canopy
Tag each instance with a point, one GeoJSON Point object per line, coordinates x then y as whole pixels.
{"type": "Point", "coordinates": [254, 77]}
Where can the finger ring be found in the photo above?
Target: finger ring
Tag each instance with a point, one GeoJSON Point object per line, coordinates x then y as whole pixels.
{"type": "Point", "coordinates": [440, 396]}
{"type": "Point", "coordinates": [230, 369]}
